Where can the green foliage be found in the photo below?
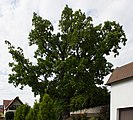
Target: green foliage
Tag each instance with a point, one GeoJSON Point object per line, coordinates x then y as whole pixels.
{"type": "Point", "coordinates": [94, 118]}
{"type": "Point", "coordinates": [21, 112]}
{"type": "Point", "coordinates": [59, 109]}
{"type": "Point", "coordinates": [70, 63]}
{"type": "Point", "coordinates": [33, 113]}
{"type": "Point", "coordinates": [84, 117]}
{"type": "Point", "coordinates": [30, 115]}
{"type": "Point", "coordinates": [46, 109]}
{"type": "Point", "coordinates": [9, 115]}
{"type": "Point", "coordinates": [96, 97]}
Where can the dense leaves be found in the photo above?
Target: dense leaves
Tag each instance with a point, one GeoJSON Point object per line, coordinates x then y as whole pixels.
{"type": "Point", "coordinates": [21, 112]}
{"type": "Point", "coordinates": [9, 115]}
{"type": "Point", "coordinates": [69, 63]}
{"type": "Point", "coordinates": [46, 109]}
{"type": "Point", "coordinates": [97, 96]}
{"type": "Point", "coordinates": [33, 112]}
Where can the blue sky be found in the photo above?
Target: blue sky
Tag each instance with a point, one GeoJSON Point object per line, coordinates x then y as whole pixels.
{"type": "Point", "coordinates": [15, 25]}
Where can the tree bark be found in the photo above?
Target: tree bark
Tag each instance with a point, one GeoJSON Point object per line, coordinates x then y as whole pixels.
{"type": "Point", "coordinates": [66, 114]}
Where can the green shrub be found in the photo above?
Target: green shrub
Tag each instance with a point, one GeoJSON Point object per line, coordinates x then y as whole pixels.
{"type": "Point", "coordinates": [21, 112]}
{"type": "Point", "coordinates": [33, 113]}
{"type": "Point", "coordinates": [9, 115]}
{"type": "Point", "coordinates": [46, 109]}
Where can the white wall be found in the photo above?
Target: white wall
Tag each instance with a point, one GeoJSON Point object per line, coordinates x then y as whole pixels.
{"type": "Point", "coordinates": [121, 97]}
{"type": "Point", "coordinates": [16, 102]}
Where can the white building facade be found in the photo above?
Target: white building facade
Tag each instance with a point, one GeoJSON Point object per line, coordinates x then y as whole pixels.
{"type": "Point", "coordinates": [121, 97]}
{"type": "Point", "coordinates": [121, 103]}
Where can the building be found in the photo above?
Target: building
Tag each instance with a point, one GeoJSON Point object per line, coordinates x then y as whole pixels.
{"type": "Point", "coordinates": [11, 105]}
{"type": "Point", "coordinates": [121, 82]}
{"type": "Point", "coordinates": [1, 112]}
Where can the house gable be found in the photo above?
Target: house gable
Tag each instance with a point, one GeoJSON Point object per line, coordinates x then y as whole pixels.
{"type": "Point", "coordinates": [14, 104]}
{"type": "Point", "coordinates": [11, 105]}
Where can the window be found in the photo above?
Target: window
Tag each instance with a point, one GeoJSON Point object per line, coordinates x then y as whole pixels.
{"type": "Point", "coordinates": [126, 114]}
{"type": "Point", "coordinates": [13, 107]}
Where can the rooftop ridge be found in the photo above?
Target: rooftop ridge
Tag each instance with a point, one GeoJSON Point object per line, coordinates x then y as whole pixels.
{"type": "Point", "coordinates": [120, 73]}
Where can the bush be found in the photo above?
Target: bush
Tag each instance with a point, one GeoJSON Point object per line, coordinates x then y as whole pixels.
{"type": "Point", "coordinates": [46, 109]}
{"type": "Point", "coordinates": [33, 113]}
{"type": "Point", "coordinates": [21, 112]}
{"type": "Point", "coordinates": [9, 115]}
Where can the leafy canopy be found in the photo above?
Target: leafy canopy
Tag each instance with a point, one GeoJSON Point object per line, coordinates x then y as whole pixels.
{"type": "Point", "coordinates": [70, 62]}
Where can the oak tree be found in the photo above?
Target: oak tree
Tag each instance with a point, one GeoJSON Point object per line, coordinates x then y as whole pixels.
{"type": "Point", "coordinates": [71, 62]}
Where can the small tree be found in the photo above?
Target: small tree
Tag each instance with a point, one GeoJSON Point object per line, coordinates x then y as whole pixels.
{"type": "Point", "coordinates": [33, 113]}
{"type": "Point", "coordinates": [21, 112]}
{"type": "Point", "coordinates": [46, 109]}
{"type": "Point", "coordinates": [30, 115]}
{"type": "Point", "coordinates": [9, 115]}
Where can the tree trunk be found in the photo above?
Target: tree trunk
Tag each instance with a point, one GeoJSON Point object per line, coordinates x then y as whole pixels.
{"type": "Point", "coordinates": [66, 114]}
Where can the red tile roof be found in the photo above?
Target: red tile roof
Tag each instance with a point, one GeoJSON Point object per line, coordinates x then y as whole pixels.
{"type": "Point", "coordinates": [6, 103]}
{"type": "Point", "coordinates": [121, 73]}
{"type": "Point", "coordinates": [1, 110]}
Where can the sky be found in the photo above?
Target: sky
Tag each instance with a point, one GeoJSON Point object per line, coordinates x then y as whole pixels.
{"type": "Point", "coordinates": [16, 23]}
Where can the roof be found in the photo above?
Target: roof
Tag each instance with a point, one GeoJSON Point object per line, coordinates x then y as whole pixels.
{"type": "Point", "coordinates": [121, 73]}
{"type": "Point", "coordinates": [92, 110]}
{"type": "Point", "coordinates": [8, 103]}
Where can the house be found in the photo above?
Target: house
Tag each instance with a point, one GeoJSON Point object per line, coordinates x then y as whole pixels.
{"type": "Point", "coordinates": [121, 82]}
{"type": "Point", "coordinates": [1, 112]}
{"type": "Point", "coordinates": [11, 105]}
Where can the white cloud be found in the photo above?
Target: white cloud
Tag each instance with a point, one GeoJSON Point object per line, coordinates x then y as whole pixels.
{"type": "Point", "coordinates": [15, 24]}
